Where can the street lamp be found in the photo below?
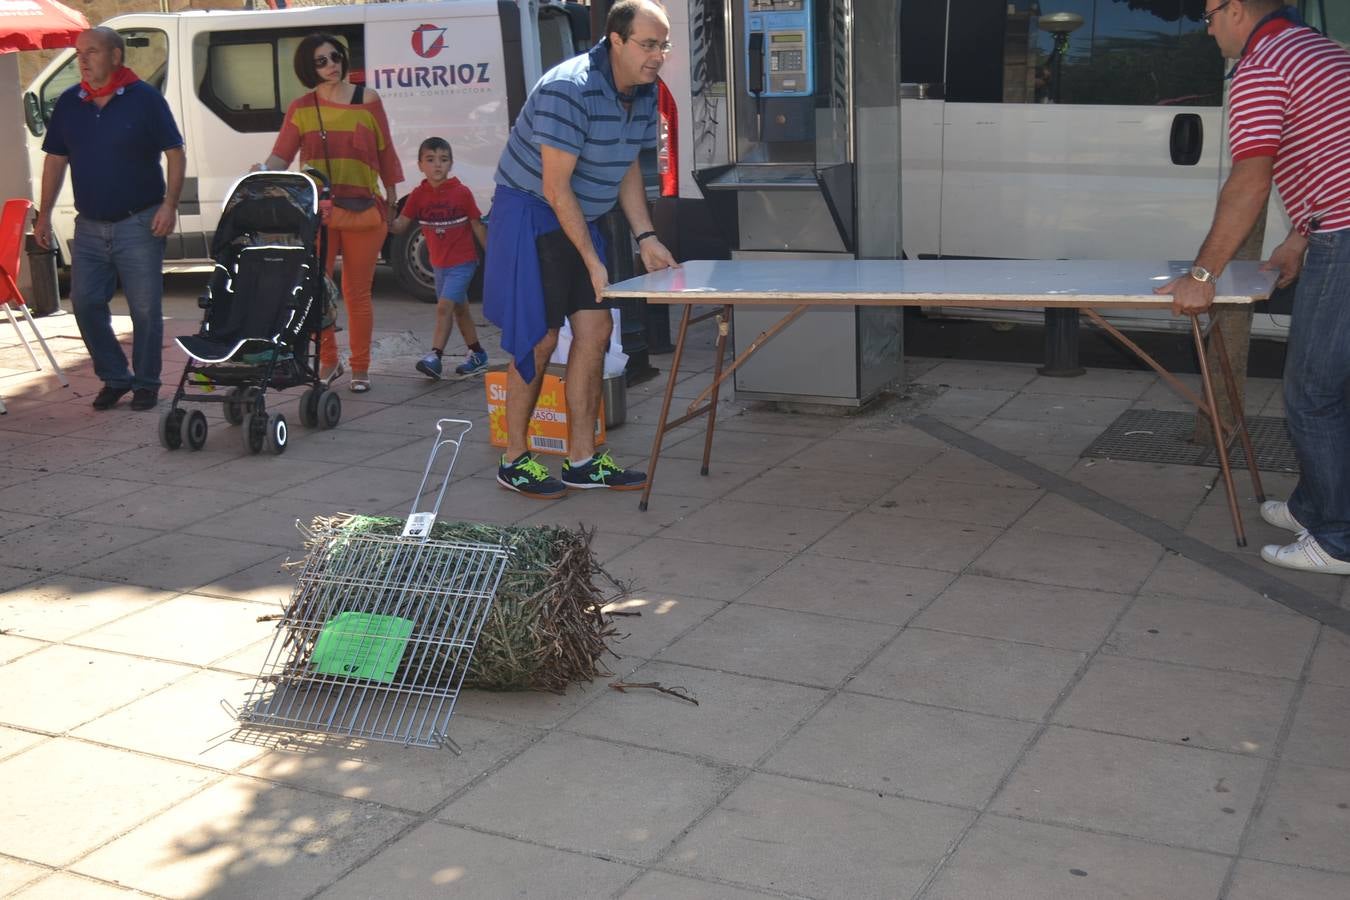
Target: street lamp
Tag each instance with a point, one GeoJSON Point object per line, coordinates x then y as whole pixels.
{"type": "Point", "coordinates": [1061, 325]}
{"type": "Point", "coordinates": [1060, 25]}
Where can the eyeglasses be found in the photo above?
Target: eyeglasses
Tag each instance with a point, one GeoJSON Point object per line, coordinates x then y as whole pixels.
{"type": "Point", "coordinates": [321, 61]}
{"type": "Point", "coordinates": [652, 45]}
{"type": "Point", "coordinates": [1206, 17]}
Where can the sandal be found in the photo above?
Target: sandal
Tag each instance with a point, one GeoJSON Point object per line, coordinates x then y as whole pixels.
{"type": "Point", "coordinates": [360, 384]}
{"type": "Point", "coordinates": [337, 372]}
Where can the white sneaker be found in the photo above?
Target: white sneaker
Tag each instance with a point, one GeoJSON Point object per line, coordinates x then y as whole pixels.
{"type": "Point", "coordinates": [1306, 555]}
{"type": "Point", "coordinates": [1277, 513]}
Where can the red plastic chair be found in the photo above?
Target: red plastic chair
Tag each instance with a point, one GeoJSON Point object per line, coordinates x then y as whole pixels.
{"type": "Point", "coordinates": [13, 224]}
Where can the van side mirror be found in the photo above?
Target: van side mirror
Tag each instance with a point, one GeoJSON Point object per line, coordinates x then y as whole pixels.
{"type": "Point", "coordinates": [32, 113]}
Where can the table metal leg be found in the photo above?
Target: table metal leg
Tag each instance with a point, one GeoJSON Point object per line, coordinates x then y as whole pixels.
{"type": "Point", "coordinates": [1239, 414]}
{"type": "Point", "coordinates": [723, 329]}
{"type": "Point", "coordinates": [665, 406]}
{"type": "Point", "coordinates": [1216, 423]}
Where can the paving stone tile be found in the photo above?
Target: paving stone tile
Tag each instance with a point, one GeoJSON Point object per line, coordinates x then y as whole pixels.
{"type": "Point", "coordinates": [1181, 577]}
{"type": "Point", "coordinates": [12, 577]}
{"type": "Point", "coordinates": [13, 647]}
{"type": "Point", "coordinates": [737, 719]}
{"type": "Point", "coordinates": [1321, 731]}
{"type": "Point", "coordinates": [608, 509]}
{"type": "Point", "coordinates": [339, 445]}
{"type": "Point", "coordinates": [769, 419]}
{"type": "Point", "coordinates": [63, 885]}
{"type": "Point", "coordinates": [1054, 515]}
{"type": "Point", "coordinates": [680, 477]}
{"type": "Point", "coordinates": [774, 643]}
{"type": "Point", "coordinates": [862, 458]}
{"type": "Point", "coordinates": [358, 488]}
{"type": "Point", "coordinates": [953, 501]}
{"type": "Point", "coordinates": [1255, 880]}
{"type": "Point", "coordinates": [1017, 860]}
{"type": "Point", "coordinates": [478, 498]}
{"type": "Point", "coordinates": [664, 886]}
{"type": "Point", "coordinates": [440, 860]}
{"type": "Point", "coordinates": [1068, 560]}
{"type": "Point", "coordinates": [269, 581]}
{"type": "Point", "coordinates": [56, 545]}
{"type": "Point", "coordinates": [1331, 660]}
{"type": "Point", "coordinates": [53, 821]}
{"type": "Point", "coordinates": [607, 544]}
{"type": "Point", "coordinates": [1148, 486]}
{"type": "Point", "coordinates": [634, 801]}
{"type": "Point", "coordinates": [965, 468]}
{"type": "Point", "coordinates": [60, 454]}
{"type": "Point", "coordinates": [1204, 634]}
{"type": "Point", "coordinates": [849, 589]}
{"type": "Point", "coordinates": [200, 730]}
{"type": "Point", "coordinates": [970, 673]}
{"type": "Point", "coordinates": [797, 487]}
{"type": "Point", "coordinates": [245, 838]}
{"type": "Point", "coordinates": [1305, 820]}
{"type": "Point", "coordinates": [744, 447]}
{"type": "Point", "coordinates": [168, 510]}
{"type": "Point", "coordinates": [60, 494]}
{"type": "Point", "coordinates": [155, 465]}
{"type": "Point", "coordinates": [975, 403]}
{"type": "Point", "coordinates": [50, 418]}
{"type": "Point", "coordinates": [528, 709]}
{"type": "Point", "coordinates": [1230, 711]}
{"type": "Point", "coordinates": [15, 873]}
{"type": "Point", "coordinates": [391, 774]}
{"type": "Point", "coordinates": [980, 374]}
{"type": "Point", "coordinates": [1024, 438]}
{"type": "Point", "coordinates": [819, 840]}
{"type": "Point", "coordinates": [902, 748]}
{"type": "Point", "coordinates": [1183, 796]}
{"type": "Point", "coordinates": [273, 521]}
{"type": "Point", "coordinates": [762, 526]}
{"type": "Point", "coordinates": [190, 628]}
{"type": "Point", "coordinates": [647, 622]}
{"type": "Point", "coordinates": [13, 741]}
{"type": "Point", "coordinates": [901, 540]}
{"type": "Point", "coordinates": [1062, 409]}
{"type": "Point", "coordinates": [694, 570]}
{"type": "Point", "coordinates": [177, 562]}
{"type": "Point", "coordinates": [60, 687]}
{"type": "Point", "coordinates": [1125, 384]}
{"type": "Point", "coordinates": [1071, 618]}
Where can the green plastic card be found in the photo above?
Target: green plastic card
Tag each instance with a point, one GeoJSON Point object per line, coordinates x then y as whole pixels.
{"type": "Point", "coordinates": [362, 645]}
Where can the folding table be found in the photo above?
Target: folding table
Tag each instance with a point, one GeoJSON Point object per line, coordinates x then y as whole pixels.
{"type": "Point", "coordinates": [1095, 287]}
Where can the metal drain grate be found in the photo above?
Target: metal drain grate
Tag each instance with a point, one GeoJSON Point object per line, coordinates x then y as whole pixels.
{"type": "Point", "coordinates": [1163, 436]}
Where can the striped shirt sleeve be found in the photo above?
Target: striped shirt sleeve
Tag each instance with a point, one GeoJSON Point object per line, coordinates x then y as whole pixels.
{"type": "Point", "coordinates": [288, 139]}
{"type": "Point", "coordinates": [559, 117]}
{"type": "Point", "coordinates": [1258, 106]}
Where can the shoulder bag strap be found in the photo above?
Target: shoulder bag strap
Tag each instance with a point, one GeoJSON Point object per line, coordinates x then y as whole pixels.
{"type": "Point", "coordinates": [323, 136]}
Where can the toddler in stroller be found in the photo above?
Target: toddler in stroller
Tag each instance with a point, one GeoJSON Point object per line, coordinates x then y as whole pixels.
{"type": "Point", "coordinates": [264, 307]}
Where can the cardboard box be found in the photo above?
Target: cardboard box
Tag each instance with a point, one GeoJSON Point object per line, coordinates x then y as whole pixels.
{"type": "Point", "coordinates": [548, 425]}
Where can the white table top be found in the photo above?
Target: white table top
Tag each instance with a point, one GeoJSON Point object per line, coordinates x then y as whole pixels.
{"type": "Point", "coordinates": [1082, 283]}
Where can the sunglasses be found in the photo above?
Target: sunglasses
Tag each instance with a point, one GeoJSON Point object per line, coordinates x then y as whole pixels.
{"type": "Point", "coordinates": [1206, 17]}
{"type": "Point", "coordinates": [321, 61]}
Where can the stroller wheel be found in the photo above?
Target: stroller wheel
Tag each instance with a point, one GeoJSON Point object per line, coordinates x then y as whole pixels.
{"type": "Point", "coordinates": [170, 423]}
{"type": "Point", "coordinates": [254, 432]}
{"type": "Point", "coordinates": [240, 402]}
{"type": "Point", "coordinates": [278, 434]}
{"type": "Point", "coordinates": [192, 429]}
{"type": "Point", "coordinates": [309, 407]}
{"type": "Point", "coordinates": [330, 410]}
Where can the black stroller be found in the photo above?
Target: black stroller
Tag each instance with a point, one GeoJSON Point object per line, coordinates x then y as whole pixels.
{"type": "Point", "coordinates": [266, 302]}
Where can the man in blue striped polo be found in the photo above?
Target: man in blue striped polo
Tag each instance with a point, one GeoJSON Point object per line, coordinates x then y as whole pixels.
{"type": "Point", "coordinates": [571, 157]}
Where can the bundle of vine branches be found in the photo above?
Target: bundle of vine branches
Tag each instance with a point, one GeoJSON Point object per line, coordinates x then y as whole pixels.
{"type": "Point", "coordinates": [546, 628]}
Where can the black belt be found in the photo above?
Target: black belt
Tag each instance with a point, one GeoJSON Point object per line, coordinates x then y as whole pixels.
{"type": "Point", "coordinates": [131, 212]}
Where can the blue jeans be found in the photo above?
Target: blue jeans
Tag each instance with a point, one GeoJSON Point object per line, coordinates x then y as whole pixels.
{"type": "Point", "coordinates": [1317, 392]}
{"type": "Point", "coordinates": [101, 253]}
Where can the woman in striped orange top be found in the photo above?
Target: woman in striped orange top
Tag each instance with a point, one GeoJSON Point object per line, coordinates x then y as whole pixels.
{"type": "Point", "coordinates": [341, 130]}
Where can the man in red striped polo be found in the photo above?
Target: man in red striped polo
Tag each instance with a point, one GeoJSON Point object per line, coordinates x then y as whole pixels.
{"type": "Point", "coordinates": [1289, 121]}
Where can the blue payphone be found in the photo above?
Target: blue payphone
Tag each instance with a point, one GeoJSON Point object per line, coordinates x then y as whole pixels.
{"type": "Point", "coordinates": [779, 66]}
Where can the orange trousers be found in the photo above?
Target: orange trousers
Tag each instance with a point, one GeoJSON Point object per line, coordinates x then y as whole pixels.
{"type": "Point", "coordinates": [360, 251]}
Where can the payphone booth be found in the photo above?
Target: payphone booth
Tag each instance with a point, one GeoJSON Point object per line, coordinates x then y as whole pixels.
{"type": "Point", "coordinates": [795, 115]}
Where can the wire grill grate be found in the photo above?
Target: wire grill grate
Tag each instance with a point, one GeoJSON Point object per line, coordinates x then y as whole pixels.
{"type": "Point", "coordinates": [1164, 436]}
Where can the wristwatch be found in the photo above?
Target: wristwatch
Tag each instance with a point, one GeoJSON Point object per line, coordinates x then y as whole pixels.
{"type": "Point", "coordinates": [1201, 274]}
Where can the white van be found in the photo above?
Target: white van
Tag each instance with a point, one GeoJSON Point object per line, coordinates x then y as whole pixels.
{"type": "Point", "coordinates": [1121, 158]}
{"type": "Point", "coordinates": [458, 69]}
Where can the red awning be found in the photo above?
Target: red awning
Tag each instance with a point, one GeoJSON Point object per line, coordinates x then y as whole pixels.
{"type": "Point", "coordinates": [38, 25]}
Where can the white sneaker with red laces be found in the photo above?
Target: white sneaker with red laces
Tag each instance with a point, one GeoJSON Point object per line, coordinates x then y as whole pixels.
{"type": "Point", "coordinates": [1306, 555]}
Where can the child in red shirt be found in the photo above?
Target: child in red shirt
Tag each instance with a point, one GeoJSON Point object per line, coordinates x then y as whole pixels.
{"type": "Point", "coordinates": [450, 220]}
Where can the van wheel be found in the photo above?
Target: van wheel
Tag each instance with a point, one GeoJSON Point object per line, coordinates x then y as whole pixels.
{"type": "Point", "coordinates": [412, 267]}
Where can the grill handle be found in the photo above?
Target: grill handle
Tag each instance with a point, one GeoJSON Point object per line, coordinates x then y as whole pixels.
{"type": "Point", "coordinates": [419, 523]}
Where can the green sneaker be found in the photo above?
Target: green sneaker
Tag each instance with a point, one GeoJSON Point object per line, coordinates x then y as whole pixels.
{"type": "Point", "coordinates": [601, 471]}
{"type": "Point", "coordinates": [526, 475]}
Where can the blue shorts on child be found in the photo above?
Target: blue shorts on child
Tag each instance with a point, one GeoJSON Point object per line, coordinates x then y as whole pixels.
{"type": "Point", "coordinates": [453, 283]}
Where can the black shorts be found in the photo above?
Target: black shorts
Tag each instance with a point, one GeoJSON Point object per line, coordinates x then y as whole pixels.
{"type": "Point", "coordinates": [566, 283]}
